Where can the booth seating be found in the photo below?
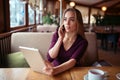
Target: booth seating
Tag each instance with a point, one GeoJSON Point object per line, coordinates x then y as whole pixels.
{"type": "Point", "coordinates": [46, 28]}
{"type": "Point", "coordinates": [42, 41]}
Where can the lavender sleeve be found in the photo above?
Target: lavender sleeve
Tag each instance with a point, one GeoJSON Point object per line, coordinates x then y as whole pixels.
{"type": "Point", "coordinates": [53, 41]}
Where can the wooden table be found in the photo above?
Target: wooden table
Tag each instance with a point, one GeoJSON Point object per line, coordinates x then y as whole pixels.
{"type": "Point", "coordinates": [72, 74]}
{"type": "Point", "coordinates": [14, 73]}
{"type": "Point", "coordinates": [78, 73]}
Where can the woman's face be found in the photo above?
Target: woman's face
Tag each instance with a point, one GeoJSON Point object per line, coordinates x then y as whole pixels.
{"type": "Point", "coordinates": [70, 22]}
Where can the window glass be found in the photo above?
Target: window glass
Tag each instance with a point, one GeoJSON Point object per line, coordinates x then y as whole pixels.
{"type": "Point", "coordinates": [84, 12]}
{"type": "Point", "coordinates": [17, 13]}
{"type": "Point", "coordinates": [37, 16]}
{"type": "Point", "coordinates": [93, 13]}
{"type": "Point", "coordinates": [31, 15]}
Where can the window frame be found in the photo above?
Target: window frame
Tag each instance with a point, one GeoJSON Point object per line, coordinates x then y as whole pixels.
{"type": "Point", "coordinates": [26, 24]}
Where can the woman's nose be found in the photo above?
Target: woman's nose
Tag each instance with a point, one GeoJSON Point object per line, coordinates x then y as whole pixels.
{"type": "Point", "coordinates": [67, 22]}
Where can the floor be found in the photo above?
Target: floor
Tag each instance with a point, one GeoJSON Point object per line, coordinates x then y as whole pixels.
{"type": "Point", "coordinates": [109, 55]}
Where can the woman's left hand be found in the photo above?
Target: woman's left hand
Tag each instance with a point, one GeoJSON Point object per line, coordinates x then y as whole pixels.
{"type": "Point", "coordinates": [48, 69]}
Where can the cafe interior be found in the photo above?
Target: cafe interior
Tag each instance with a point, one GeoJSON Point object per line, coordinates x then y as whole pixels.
{"type": "Point", "coordinates": [31, 23]}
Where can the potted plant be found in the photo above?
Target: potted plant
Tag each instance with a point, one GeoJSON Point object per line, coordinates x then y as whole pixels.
{"type": "Point", "coordinates": [50, 19]}
{"type": "Point", "coordinates": [47, 19]}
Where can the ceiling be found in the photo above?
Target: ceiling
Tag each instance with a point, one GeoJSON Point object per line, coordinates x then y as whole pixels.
{"type": "Point", "coordinates": [112, 5]}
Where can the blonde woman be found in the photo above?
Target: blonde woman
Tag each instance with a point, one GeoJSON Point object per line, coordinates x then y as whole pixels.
{"type": "Point", "coordinates": [68, 44]}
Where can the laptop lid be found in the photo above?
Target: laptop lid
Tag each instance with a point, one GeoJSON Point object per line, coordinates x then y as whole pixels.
{"type": "Point", "coordinates": [33, 57]}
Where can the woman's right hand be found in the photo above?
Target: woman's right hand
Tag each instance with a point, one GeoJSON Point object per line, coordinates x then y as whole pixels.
{"type": "Point", "coordinates": [61, 32]}
{"type": "Point", "coordinates": [48, 69]}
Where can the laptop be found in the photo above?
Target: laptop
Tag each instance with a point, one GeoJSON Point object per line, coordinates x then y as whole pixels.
{"type": "Point", "coordinates": [33, 57]}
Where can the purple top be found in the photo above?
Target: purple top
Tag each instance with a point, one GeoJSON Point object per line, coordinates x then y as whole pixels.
{"type": "Point", "coordinates": [76, 51]}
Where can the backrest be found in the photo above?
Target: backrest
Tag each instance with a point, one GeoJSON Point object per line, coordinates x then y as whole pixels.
{"type": "Point", "coordinates": [37, 40]}
{"type": "Point", "coordinates": [91, 54]}
{"type": "Point", "coordinates": [46, 28]}
{"type": "Point", "coordinates": [42, 41]}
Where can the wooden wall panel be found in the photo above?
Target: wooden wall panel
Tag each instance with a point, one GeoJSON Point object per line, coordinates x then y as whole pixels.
{"type": "Point", "coordinates": [1, 16]}
{"type": "Point", "coordinates": [4, 16]}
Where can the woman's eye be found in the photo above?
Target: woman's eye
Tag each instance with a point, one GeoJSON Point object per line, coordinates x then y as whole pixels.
{"type": "Point", "coordinates": [64, 19]}
{"type": "Point", "coordinates": [72, 19]}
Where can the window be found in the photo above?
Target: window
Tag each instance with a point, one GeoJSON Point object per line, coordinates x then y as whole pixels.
{"type": "Point", "coordinates": [93, 13]}
{"type": "Point", "coordinates": [84, 12]}
{"type": "Point", "coordinates": [31, 15]}
{"type": "Point", "coordinates": [37, 16]}
{"type": "Point", "coordinates": [17, 13]}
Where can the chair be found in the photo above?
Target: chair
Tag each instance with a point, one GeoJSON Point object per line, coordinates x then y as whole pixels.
{"type": "Point", "coordinates": [29, 39]}
{"type": "Point", "coordinates": [91, 54]}
{"type": "Point", "coordinates": [46, 28]}
{"type": "Point", "coordinates": [113, 38]}
{"type": "Point", "coordinates": [90, 58]}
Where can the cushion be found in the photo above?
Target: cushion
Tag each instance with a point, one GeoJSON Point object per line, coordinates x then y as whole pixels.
{"type": "Point", "coordinates": [16, 60]}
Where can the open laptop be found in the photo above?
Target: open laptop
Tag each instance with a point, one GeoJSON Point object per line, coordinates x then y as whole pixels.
{"type": "Point", "coordinates": [33, 57]}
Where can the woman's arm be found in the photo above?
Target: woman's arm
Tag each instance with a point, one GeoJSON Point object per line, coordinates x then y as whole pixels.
{"type": "Point", "coordinates": [53, 52]}
{"type": "Point", "coordinates": [64, 66]}
{"type": "Point", "coordinates": [50, 70]}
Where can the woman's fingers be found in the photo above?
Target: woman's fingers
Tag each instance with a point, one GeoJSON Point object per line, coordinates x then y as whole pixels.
{"type": "Point", "coordinates": [61, 32]}
{"type": "Point", "coordinates": [48, 69]}
{"type": "Point", "coordinates": [48, 64]}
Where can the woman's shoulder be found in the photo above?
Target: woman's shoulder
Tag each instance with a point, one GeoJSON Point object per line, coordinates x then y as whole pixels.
{"type": "Point", "coordinates": [80, 38]}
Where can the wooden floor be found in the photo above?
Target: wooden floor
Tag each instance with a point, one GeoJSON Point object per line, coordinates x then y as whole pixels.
{"type": "Point", "coordinates": [109, 55]}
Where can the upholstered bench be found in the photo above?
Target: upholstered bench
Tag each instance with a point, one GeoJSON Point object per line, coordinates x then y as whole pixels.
{"type": "Point", "coordinates": [42, 41]}
{"type": "Point", "coordinates": [29, 39]}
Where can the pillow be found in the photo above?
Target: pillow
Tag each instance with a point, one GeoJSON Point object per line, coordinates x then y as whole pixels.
{"type": "Point", "coordinates": [16, 60]}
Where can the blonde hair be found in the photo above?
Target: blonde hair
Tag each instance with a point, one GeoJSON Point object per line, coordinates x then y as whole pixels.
{"type": "Point", "coordinates": [78, 17]}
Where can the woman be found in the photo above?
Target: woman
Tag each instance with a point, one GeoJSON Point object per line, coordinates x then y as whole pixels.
{"type": "Point", "coordinates": [68, 44]}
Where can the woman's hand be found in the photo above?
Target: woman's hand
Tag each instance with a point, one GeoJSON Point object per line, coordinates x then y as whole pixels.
{"type": "Point", "coordinates": [48, 69]}
{"type": "Point", "coordinates": [61, 32]}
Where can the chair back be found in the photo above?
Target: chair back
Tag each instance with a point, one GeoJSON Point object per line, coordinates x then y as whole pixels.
{"type": "Point", "coordinates": [37, 40]}
{"type": "Point", "coordinates": [91, 54]}
{"type": "Point", "coordinates": [42, 41]}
